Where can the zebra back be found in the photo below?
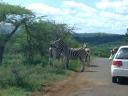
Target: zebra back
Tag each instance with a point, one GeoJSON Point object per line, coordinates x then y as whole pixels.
{"type": "Point", "coordinates": [72, 53]}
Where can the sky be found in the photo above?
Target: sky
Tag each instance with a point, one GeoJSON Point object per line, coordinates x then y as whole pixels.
{"type": "Point", "coordinates": [88, 16]}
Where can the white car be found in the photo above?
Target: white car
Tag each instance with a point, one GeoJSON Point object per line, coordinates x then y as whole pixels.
{"type": "Point", "coordinates": [119, 67]}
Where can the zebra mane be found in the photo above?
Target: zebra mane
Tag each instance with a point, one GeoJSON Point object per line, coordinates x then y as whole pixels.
{"type": "Point", "coordinates": [60, 41]}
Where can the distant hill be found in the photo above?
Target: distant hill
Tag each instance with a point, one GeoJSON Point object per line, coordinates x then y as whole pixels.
{"type": "Point", "coordinates": [100, 43]}
{"type": "Point", "coordinates": [97, 38]}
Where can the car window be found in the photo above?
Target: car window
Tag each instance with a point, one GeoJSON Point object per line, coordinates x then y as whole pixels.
{"type": "Point", "coordinates": [122, 54]}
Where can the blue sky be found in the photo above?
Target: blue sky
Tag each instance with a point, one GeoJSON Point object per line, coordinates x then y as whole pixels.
{"type": "Point", "coordinates": [110, 16]}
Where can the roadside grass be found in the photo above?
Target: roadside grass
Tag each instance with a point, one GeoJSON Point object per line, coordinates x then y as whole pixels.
{"type": "Point", "coordinates": [74, 65]}
{"type": "Point", "coordinates": [18, 78]}
{"type": "Point", "coordinates": [13, 91]}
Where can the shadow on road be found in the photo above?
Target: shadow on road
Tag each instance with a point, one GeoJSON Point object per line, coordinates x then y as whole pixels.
{"type": "Point", "coordinates": [124, 81]}
{"type": "Point", "coordinates": [84, 71]}
{"type": "Point", "coordinates": [91, 71]}
{"type": "Point", "coordinates": [94, 66]}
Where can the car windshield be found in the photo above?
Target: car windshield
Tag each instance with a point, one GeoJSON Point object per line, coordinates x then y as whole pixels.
{"type": "Point", "coordinates": [122, 54]}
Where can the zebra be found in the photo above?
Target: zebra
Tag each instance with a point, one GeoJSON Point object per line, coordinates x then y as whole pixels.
{"type": "Point", "coordinates": [70, 53]}
{"type": "Point", "coordinates": [88, 56]}
{"type": "Point", "coordinates": [54, 54]}
{"type": "Point", "coordinates": [88, 53]}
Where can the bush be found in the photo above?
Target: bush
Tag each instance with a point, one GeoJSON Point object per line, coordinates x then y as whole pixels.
{"type": "Point", "coordinates": [30, 77]}
{"type": "Point", "coordinates": [13, 91]}
{"type": "Point", "coordinates": [15, 75]}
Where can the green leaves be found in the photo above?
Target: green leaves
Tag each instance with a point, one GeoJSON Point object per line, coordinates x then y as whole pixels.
{"type": "Point", "coordinates": [7, 9]}
{"type": "Point", "coordinates": [12, 15]}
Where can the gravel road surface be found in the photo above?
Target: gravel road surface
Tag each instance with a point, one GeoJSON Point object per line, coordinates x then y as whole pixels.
{"type": "Point", "coordinates": [95, 81]}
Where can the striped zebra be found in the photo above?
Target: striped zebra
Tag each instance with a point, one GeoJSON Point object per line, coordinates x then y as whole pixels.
{"type": "Point", "coordinates": [54, 54]}
{"type": "Point", "coordinates": [88, 54]}
{"type": "Point", "coordinates": [70, 53]}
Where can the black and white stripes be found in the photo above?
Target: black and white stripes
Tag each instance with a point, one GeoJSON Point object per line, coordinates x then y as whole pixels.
{"type": "Point", "coordinates": [70, 53]}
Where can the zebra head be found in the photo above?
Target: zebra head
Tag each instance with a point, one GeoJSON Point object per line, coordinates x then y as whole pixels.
{"type": "Point", "coordinates": [59, 45]}
{"type": "Point", "coordinates": [54, 44]}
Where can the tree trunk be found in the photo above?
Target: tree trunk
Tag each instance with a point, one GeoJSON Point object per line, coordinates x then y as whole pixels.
{"type": "Point", "coordinates": [29, 41]}
{"type": "Point", "coordinates": [4, 42]}
{"type": "Point", "coordinates": [1, 53]}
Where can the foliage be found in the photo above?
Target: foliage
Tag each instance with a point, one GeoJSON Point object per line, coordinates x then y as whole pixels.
{"type": "Point", "coordinates": [39, 35]}
{"type": "Point", "coordinates": [20, 73]}
{"type": "Point", "coordinates": [103, 50]}
{"type": "Point", "coordinates": [25, 65]}
{"type": "Point", "coordinates": [100, 43]}
{"type": "Point", "coordinates": [29, 77]}
{"type": "Point", "coordinates": [126, 36]}
{"type": "Point", "coordinates": [13, 91]}
{"type": "Point", "coordinates": [13, 17]}
{"type": "Point", "coordinates": [7, 9]}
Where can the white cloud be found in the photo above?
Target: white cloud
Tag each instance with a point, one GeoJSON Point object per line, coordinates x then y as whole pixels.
{"type": "Point", "coordinates": [112, 4]}
{"type": "Point", "coordinates": [79, 6]}
{"type": "Point", "coordinates": [44, 9]}
{"type": "Point", "coordinates": [111, 15]}
{"type": "Point", "coordinates": [114, 19]}
{"type": "Point", "coordinates": [84, 16]}
{"type": "Point", "coordinates": [70, 11]}
{"type": "Point", "coordinates": [119, 6]}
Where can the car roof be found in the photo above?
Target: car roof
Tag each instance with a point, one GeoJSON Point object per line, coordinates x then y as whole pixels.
{"type": "Point", "coordinates": [124, 46]}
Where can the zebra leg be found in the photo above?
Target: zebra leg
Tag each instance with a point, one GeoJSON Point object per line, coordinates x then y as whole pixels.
{"type": "Point", "coordinates": [50, 56]}
{"type": "Point", "coordinates": [82, 65]}
{"type": "Point", "coordinates": [88, 60]}
{"type": "Point", "coordinates": [66, 65]}
{"type": "Point", "coordinates": [51, 61]}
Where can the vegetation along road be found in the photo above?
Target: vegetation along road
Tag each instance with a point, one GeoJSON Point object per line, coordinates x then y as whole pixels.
{"type": "Point", "coordinates": [95, 81]}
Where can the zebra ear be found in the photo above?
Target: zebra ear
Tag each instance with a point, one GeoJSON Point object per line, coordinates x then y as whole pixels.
{"type": "Point", "coordinates": [57, 39]}
{"type": "Point", "coordinates": [60, 39]}
{"type": "Point", "coordinates": [84, 45]}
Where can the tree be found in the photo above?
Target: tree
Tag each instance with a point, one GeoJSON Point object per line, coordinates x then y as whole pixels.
{"type": "Point", "coordinates": [13, 16]}
{"type": "Point", "coordinates": [39, 34]}
{"type": "Point", "coordinates": [126, 36]}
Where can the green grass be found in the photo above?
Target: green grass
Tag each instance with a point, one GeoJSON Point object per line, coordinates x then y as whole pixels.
{"type": "Point", "coordinates": [75, 65]}
{"type": "Point", "coordinates": [17, 78]}
{"type": "Point", "coordinates": [13, 91]}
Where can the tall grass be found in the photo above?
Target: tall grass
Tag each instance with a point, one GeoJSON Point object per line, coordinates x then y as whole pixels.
{"type": "Point", "coordinates": [15, 75]}
{"type": "Point", "coordinates": [13, 91]}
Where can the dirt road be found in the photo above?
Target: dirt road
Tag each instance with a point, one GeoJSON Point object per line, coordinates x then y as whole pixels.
{"type": "Point", "coordinates": [95, 81]}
